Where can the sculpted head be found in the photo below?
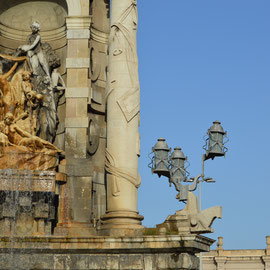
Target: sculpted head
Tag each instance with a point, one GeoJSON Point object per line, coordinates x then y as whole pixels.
{"type": "Point", "coordinates": [35, 27]}
{"type": "Point", "coordinates": [47, 81]}
{"type": "Point", "coordinates": [9, 118]}
{"type": "Point", "coordinates": [31, 95]}
{"type": "Point", "coordinates": [26, 76]}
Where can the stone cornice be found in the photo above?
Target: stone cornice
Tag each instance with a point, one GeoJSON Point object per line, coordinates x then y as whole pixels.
{"type": "Point", "coordinates": [98, 244]}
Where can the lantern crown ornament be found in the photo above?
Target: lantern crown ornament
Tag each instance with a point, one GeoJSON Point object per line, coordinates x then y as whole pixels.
{"type": "Point", "coordinates": [214, 141]}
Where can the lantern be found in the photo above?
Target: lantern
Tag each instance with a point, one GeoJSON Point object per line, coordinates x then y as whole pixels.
{"type": "Point", "coordinates": [214, 143]}
{"type": "Point", "coordinates": [178, 172]}
{"type": "Point", "coordinates": [161, 159]}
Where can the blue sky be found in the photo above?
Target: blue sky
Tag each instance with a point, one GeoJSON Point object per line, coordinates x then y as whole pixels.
{"type": "Point", "coordinates": [202, 61]}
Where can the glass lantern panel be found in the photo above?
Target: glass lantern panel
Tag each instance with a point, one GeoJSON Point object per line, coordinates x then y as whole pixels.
{"type": "Point", "coordinates": [161, 160]}
{"type": "Point", "coordinates": [178, 169]}
{"type": "Point", "coordinates": [220, 142]}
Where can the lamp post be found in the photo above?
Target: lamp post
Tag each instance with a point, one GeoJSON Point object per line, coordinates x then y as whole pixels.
{"type": "Point", "coordinates": [172, 165]}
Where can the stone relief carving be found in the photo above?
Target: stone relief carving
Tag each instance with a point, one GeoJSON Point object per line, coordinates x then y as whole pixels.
{"type": "Point", "coordinates": [111, 167]}
{"type": "Point", "coordinates": [123, 42]}
{"type": "Point", "coordinates": [29, 94]}
{"type": "Point", "coordinates": [93, 135]}
{"type": "Point", "coordinates": [95, 67]}
{"type": "Point", "coordinates": [122, 49]}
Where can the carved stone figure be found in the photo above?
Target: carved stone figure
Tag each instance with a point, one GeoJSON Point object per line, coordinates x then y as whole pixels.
{"type": "Point", "coordinates": [48, 119]}
{"type": "Point", "coordinates": [7, 96]}
{"type": "Point", "coordinates": [58, 85]}
{"type": "Point", "coordinates": [28, 105]}
{"type": "Point", "coordinates": [34, 51]}
{"type": "Point", "coordinates": [17, 136]}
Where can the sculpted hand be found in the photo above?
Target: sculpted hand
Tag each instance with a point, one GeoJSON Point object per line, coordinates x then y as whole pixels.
{"type": "Point", "coordinates": [25, 48]}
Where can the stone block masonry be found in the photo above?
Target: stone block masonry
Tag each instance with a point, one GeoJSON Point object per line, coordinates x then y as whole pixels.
{"type": "Point", "coordinates": [125, 253]}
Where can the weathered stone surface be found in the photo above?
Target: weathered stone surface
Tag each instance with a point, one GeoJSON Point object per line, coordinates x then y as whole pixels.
{"type": "Point", "coordinates": [131, 261]}
{"type": "Point", "coordinates": [77, 261]}
{"type": "Point", "coordinates": [119, 253]}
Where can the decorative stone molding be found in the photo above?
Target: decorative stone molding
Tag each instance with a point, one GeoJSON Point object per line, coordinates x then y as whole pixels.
{"type": "Point", "coordinates": [95, 66]}
{"type": "Point", "coordinates": [99, 36]}
{"type": "Point", "coordinates": [75, 22]}
{"type": "Point", "coordinates": [19, 35]}
{"type": "Point", "coordinates": [26, 180]}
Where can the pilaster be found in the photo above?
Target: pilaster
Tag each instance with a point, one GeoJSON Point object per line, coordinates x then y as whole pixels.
{"type": "Point", "coordinates": [77, 211]}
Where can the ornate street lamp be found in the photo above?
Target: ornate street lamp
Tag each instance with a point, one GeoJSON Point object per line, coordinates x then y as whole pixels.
{"type": "Point", "coordinates": [173, 166]}
{"type": "Point", "coordinates": [178, 172]}
{"type": "Point", "coordinates": [214, 145]}
{"type": "Point", "coordinates": [160, 161]}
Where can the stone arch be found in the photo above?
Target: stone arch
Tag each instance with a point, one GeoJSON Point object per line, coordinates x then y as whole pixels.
{"type": "Point", "coordinates": [18, 14]}
{"type": "Point", "coordinates": [74, 7]}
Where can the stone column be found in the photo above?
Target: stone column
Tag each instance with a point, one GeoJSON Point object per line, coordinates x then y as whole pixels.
{"type": "Point", "coordinates": [123, 105]}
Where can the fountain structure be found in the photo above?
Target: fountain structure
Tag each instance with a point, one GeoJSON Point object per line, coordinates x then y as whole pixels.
{"type": "Point", "coordinates": [69, 142]}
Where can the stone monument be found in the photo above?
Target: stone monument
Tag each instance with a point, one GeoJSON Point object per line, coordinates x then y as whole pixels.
{"type": "Point", "coordinates": [69, 143]}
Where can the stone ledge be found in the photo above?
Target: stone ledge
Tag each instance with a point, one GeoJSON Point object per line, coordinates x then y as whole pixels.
{"type": "Point", "coordinates": [100, 244]}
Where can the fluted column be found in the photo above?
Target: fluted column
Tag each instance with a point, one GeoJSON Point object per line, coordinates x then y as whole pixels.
{"type": "Point", "coordinates": [123, 105]}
